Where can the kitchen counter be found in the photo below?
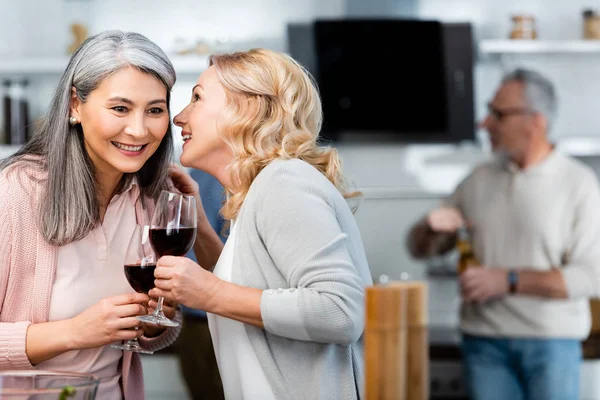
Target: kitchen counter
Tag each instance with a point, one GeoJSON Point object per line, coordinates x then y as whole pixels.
{"type": "Point", "coordinates": [444, 343]}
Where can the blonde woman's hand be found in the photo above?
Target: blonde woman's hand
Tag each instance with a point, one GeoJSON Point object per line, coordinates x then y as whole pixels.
{"type": "Point", "coordinates": [186, 185]}
{"type": "Point", "coordinates": [110, 320]}
{"type": "Point", "coordinates": [183, 181]}
{"type": "Point", "coordinates": [169, 307]}
{"type": "Point", "coordinates": [180, 280]}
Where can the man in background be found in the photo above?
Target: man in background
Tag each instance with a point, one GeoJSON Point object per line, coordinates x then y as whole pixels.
{"type": "Point", "coordinates": [194, 345]}
{"type": "Point", "coordinates": [535, 218]}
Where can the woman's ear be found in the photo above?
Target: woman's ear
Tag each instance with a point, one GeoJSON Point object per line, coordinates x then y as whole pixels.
{"type": "Point", "coordinates": [74, 106]}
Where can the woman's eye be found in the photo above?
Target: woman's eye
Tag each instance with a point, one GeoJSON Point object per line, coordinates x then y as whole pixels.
{"type": "Point", "coordinates": [120, 109]}
{"type": "Point", "coordinates": [156, 111]}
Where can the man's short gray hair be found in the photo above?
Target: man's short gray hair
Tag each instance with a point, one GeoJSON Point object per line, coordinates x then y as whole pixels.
{"type": "Point", "coordinates": [539, 91]}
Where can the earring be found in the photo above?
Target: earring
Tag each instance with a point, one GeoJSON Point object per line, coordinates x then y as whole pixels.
{"type": "Point", "coordinates": [73, 121]}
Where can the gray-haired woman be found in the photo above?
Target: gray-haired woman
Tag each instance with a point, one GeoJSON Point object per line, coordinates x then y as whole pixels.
{"type": "Point", "coordinates": [70, 200]}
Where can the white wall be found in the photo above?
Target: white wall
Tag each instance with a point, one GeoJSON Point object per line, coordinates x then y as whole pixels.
{"type": "Point", "coordinates": [577, 77]}
{"type": "Point", "coordinates": [557, 19]}
{"type": "Point", "coordinates": [237, 20]}
{"type": "Point", "coordinates": [42, 28]}
{"type": "Point", "coordinates": [32, 27]}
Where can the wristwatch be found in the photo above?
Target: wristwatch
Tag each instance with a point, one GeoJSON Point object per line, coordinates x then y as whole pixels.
{"type": "Point", "coordinates": [513, 279]}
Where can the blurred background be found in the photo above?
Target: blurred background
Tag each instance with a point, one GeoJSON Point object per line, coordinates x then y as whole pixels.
{"type": "Point", "coordinates": [404, 83]}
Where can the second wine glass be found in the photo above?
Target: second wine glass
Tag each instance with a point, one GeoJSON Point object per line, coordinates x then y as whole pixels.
{"type": "Point", "coordinates": [172, 233]}
{"type": "Point", "coordinates": [139, 265]}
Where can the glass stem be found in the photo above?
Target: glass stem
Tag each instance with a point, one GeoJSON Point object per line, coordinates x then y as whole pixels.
{"type": "Point", "coordinates": [134, 341]}
{"type": "Point", "coordinates": [159, 307]}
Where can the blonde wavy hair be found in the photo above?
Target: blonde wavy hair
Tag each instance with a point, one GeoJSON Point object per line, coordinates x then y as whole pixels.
{"type": "Point", "coordinates": [274, 113]}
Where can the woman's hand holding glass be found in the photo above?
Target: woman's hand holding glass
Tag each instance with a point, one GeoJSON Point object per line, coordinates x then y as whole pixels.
{"type": "Point", "coordinates": [181, 280]}
{"type": "Point", "coordinates": [111, 319]}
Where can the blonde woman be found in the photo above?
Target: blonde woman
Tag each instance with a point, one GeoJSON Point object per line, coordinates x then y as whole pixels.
{"type": "Point", "coordinates": [286, 297]}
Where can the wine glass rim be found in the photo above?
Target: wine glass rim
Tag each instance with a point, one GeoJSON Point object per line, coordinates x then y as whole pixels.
{"type": "Point", "coordinates": [86, 381]}
{"type": "Point", "coordinates": [49, 373]}
{"type": "Point", "coordinates": [175, 193]}
{"type": "Point", "coordinates": [181, 226]}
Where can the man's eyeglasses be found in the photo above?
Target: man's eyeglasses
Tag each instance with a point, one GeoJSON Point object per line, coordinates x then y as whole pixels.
{"type": "Point", "coordinates": [501, 114]}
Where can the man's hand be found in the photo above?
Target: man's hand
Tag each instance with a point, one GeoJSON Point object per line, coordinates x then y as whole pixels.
{"type": "Point", "coordinates": [445, 219]}
{"type": "Point", "coordinates": [480, 284]}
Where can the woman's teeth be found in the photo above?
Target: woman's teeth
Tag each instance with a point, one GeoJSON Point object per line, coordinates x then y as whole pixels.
{"type": "Point", "coordinates": [186, 137]}
{"type": "Point", "coordinates": [128, 148]}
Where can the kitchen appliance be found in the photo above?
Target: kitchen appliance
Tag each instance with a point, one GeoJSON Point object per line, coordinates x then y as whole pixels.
{"type": "Point", "coordinates": [403, 80]}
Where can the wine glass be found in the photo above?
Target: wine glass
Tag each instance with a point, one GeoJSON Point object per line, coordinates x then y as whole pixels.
{"type": "Point", "coordinates": [172, 233]}
{"type": "Point", "coordinates": [139, 267]}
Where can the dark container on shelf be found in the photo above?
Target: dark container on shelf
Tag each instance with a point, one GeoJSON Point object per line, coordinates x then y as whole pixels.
{"type": "Point", "coordinates": [16, 113]}
{"type": "Point", "coordinates": [6, 114]}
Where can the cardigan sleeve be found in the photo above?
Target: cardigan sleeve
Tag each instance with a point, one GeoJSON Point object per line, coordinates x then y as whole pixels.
{"type": "Point", "coordinates": [12, 334]}
{"type": "Point", "coordinates": [165, 339]}
{"type": "Point", "coordinates": [298, 222]}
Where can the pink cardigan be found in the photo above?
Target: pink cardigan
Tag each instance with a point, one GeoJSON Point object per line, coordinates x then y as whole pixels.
{"type": "Point", "coordinates": [27, 268]}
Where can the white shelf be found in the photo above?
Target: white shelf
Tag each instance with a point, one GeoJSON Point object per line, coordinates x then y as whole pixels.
{"type": "Point", "coordinates": [519, 46]}
{"type": "Point", "coordinates": [33, 65]}
{"type": "Point", "coordinates": [56, 65]}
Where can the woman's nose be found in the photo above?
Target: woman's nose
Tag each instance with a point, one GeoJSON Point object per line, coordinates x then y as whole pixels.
{"type": "Point", "coordinates": [180, 119]}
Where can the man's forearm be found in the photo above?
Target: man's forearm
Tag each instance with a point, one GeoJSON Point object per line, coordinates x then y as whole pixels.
{"type": "Point", "coordinates": [549, 284]}
{"type": "Point", "coordinates": [423, 242]}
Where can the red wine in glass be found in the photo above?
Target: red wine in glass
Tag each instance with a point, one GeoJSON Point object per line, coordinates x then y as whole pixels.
{"type": "Point", "coordinates": [172, 233]}
{"type": "Point", "coordinates": [140, 277]}
{"type": "Point", "coordinates": [172, 242]}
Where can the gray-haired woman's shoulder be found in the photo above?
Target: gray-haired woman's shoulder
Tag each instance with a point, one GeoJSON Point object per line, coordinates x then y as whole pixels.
{"type": "Point", "coordinates": [24, 175]}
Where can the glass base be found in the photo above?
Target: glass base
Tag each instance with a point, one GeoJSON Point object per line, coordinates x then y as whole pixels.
{"type": "Point", "coordinates": [131, 346]}
{"type": "Point", "coordinates": [157, 320]}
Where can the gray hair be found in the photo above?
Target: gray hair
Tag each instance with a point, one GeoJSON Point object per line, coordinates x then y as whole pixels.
{"type": "Point", "coordinates": [539, 92]}
{"type": "Point", "coordinates": [69, 208]}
